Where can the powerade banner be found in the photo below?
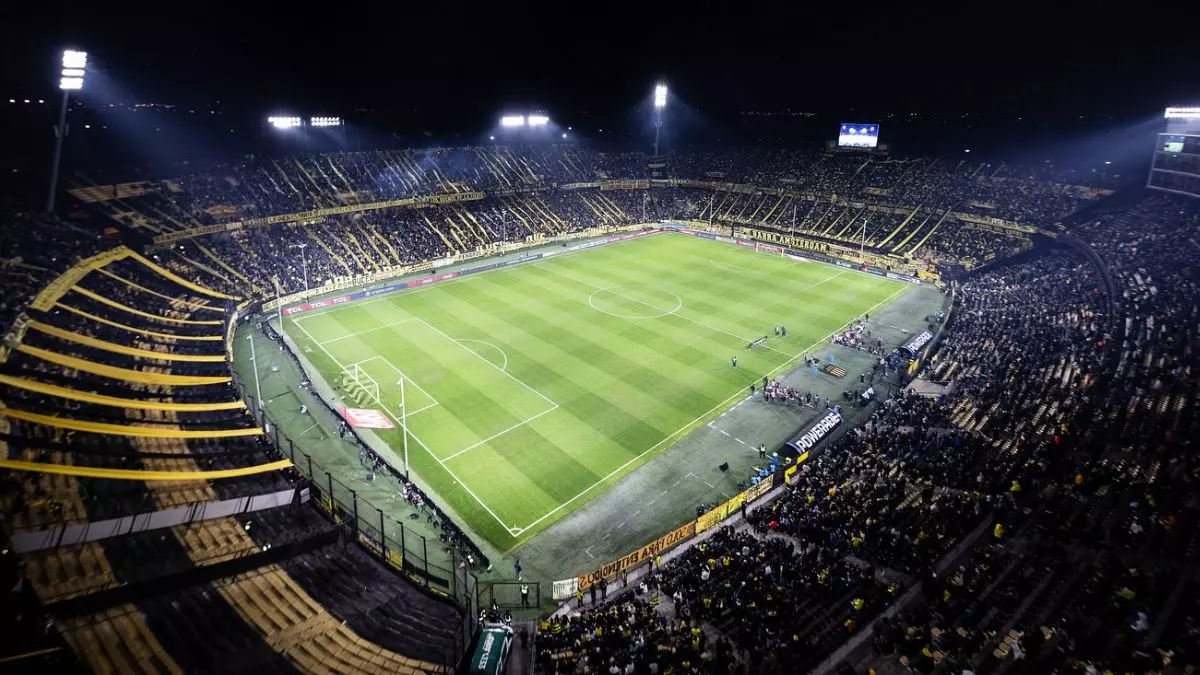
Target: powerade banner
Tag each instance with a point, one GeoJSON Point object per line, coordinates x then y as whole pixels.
{"type": "Point", "coordinates": [915, 345]}
{"type": "Point", "coordinates": [816, 433]}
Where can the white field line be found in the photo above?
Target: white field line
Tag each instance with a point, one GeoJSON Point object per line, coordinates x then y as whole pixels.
{"type": "Point", "coordinates": [514, 531]}
{"type": "Point", "coordinates": [369, 330]}
{"type": "Point", "coordinates": [421, 443]}
{"type": "Point", "coordinates": [406, 377]}
{"type": "Point", "coordinates": [715, 408]}
{"type": "Point", "coordinates": [501, 433]}
{"type": "Point", "coordinates": [502, 352]}
{"type": "Point", "coordinates": [652, 306]}
{"type": "Point", "coordinates": [472, 352]}
{"type": "Point", "coordinates": [443, 284]}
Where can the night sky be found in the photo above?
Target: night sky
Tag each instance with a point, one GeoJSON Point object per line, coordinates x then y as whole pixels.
{"type": "Point", "coordinates": [466, 61]}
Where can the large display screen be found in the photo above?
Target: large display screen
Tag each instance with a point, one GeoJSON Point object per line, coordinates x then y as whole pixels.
{"type": "Point", "coordinates": [858, 135]}
{"type": "Point", "coordinates": [1171, 143]}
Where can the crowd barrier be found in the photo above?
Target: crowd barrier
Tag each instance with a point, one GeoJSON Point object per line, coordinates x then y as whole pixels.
{"type": "Point", "coordinates": [566, 588]}
{"type": "Point", "coordinates": [130, 310]}
{"type": "Point", "coordinates": [115, 401]}
{"type": "Point", "coordinates": [71, 534]}
{"type": "Point", "coordinates": [397, 546]}
{"type": "Point", "coordinates": [134, 329]}
{"type": "Point", "coordinates": [151, 291]}
{"type": "Point", "coordinates": [122, 349]}
{"type": "Point", "coordinates": [111, 429]}
{"type": "Point", "coordinates": [124, 374]}
{"type": "Point", "coordinates": [142, 475]}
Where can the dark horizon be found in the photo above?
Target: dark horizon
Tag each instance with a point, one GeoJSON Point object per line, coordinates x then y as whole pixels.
{"type": "Point", "coordinates": [458, 66]}
{"type": "Point", "coordinates": [1002, 82]}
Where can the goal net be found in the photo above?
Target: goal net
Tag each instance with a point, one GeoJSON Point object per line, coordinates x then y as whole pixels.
{"type": "Point", "coordinates": [360, 387]}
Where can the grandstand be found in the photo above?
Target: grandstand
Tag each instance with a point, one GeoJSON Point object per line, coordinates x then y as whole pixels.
{"type": "Point", "coordinates": [175, 503]}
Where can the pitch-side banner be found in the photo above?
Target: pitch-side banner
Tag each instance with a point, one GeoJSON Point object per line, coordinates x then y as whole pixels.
{"type": "Point", "coordinates": [366, 418]}
{"type": "Point", "coordinates": [635, 558]}
{"type": "Point", "coordinates": [720, 513]}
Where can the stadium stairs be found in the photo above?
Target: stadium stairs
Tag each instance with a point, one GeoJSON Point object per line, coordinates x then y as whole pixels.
{"type": "Point", "coordinates": [124, 368]}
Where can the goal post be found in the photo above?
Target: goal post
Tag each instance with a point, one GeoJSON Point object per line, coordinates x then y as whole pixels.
{"type": "Point", "coordinates": [355, 381]}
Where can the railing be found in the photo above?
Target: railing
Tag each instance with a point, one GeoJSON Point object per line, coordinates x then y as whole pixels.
{"type": "Point", "coordinates": [401, 548]}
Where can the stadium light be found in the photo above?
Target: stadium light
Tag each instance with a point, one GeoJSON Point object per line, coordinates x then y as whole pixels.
{"type": "Point", "coordinates": [1182, 113]}
{"type": "Point", "coordinates": [660, 102]}
{"type": "Point", "coordinates": [538, 120]}
{"type": "Point", "coordinates": [324, 121]}
{"type": "Point", "coordinates": [74, 67]}
{"type": "Point", "coordinates": [74, 63]}
{"type": "Point", "coordinates": [284, 122]}
{"type": "Point", "coordinates": [511, 121]}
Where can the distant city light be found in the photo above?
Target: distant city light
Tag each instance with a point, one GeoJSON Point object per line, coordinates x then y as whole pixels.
{"type": "Point", "coordinates": [967, 150]}
{"type": "Point", "coordinates": [27, 100]}
{"type": "Point", "coordinates": [41, 100]}
{"type": "Point", "coordinates": [325, 121]}
{"type": "Point", "coordinates": [564, 134]}
{"type": "Point", "coordinates": [660, 95]}
{"type": "Point", "coordinates": [1182, 113]}
{"type": "Point", "coordinates": [74, 64]}
{"type": "Point", "coordinates": [512, 121]}
{"type": "Point", "coordinates": [538, 120]}
{"type": "Point", "coordinates": [284, 122]}
{"type": "Point", "coordinates": [491, 138]}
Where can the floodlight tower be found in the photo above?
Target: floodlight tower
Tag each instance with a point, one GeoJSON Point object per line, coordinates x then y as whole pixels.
{"type": "Point", "coordinates": [303, 262]}
{"type": "Point", "coordinates": [74, 66]}
{"type": "Point", "coordinates": [660, 102]}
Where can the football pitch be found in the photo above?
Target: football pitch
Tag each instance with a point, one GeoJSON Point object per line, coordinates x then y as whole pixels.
{"type": "Point", "coordinates": [531, 389]}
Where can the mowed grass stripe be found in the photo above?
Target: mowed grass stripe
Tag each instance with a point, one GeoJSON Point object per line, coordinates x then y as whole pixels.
{"type": "Point", "coordinates": [623, 385]}
{"type": "Point", "coordinates": [602, 356]}
{"type": "Point", "coordinates": [480, 399]}
{"type": "Point", "coordinates": [695, 280]}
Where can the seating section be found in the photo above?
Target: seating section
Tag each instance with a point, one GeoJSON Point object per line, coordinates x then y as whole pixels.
{"type": "Point", "coordinates": [1041, 508]}
{"type": "Point", "coordinates": [1037, 516]}
{"type": "Point", "coordinates": [926, 212]}
{"type": "Point", "coordinates": [328, 609]}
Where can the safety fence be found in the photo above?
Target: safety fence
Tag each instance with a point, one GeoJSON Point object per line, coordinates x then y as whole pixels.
{"type": "Point", "coordinates": [439, 565]}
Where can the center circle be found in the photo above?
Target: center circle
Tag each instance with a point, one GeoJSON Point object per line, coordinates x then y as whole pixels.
{"type": "Point", "coordinates": [635, 301]}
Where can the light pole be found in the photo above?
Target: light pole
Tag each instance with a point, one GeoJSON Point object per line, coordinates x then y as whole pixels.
{"type": "Point", "coordinates": [404, 425]}
{"type": "Point", "coordinates": [74, 65]}
{"type": "Point", "coordinates": [660, 102]}
{"type": "Point", "coordinates": [303, 263]}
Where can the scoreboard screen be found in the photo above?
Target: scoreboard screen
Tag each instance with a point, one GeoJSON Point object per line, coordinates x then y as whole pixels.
{"type": "Point", "coordinates": [1172, 143]}
{"type": "Point", "coordinates": [854, 135]}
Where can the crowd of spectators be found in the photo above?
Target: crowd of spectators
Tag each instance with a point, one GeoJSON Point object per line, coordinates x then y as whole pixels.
{"type": "Point", "coordinates": [1059, 453]}
{"type": "Point", "coordinates": [526, 186]}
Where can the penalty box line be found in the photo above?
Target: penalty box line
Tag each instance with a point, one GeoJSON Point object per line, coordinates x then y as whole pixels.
{"type": "Point", "coordinates": [723, 404]}
{"type": "Point", "coordinates": [510, 529]}
{"type": "Point", "coordinates": [665, 312]}
{"type": "Point", "coordinates": [406, 377]}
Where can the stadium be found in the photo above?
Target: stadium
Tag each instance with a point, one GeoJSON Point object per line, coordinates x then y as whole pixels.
{"type": "Point", "coordinates": [545, 404]}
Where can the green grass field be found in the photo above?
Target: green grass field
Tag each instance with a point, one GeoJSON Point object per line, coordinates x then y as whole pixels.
{"type": "Point", "coordinates": [530, 389]}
